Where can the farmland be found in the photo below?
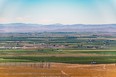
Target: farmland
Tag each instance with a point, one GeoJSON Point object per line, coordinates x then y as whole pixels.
{"type": "Point", "coordinates": [63, 52]}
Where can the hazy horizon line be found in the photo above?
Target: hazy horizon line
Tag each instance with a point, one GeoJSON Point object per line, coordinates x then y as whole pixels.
{"type": "Point", "coordinates": [61, 23]}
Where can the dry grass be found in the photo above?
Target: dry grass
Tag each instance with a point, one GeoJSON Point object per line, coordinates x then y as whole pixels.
{"type": "Point", "coordinates": [58, 70]}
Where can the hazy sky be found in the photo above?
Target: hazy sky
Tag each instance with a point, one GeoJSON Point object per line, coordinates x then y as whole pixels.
{"type": "Point", "coordinates": [58, 11]}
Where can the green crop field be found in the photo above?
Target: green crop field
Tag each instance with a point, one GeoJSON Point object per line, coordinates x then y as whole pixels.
{"type": "Point", "coordinates": [79, 60]}
{"type": "Point", "coordinates": [53, 55]}
{"type": "Point", "coordinates": [83, 48]}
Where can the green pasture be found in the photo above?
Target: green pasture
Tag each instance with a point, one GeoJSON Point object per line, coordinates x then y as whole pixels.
{"type": "Point", "coordinates": [72, 60]}
{"type": "Point", "coordinates": [16, 56]}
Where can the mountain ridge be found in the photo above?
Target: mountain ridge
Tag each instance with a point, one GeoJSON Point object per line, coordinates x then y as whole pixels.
{"type": "Point", "coordinates": [23, 27]}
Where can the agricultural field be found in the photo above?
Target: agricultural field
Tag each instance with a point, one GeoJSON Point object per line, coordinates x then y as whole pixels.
{"type": "Point", "coordinates": [67, 54]}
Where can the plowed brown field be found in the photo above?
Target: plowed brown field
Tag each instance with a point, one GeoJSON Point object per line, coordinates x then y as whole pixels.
{"type": "Point", "coordinates": [58, 70]}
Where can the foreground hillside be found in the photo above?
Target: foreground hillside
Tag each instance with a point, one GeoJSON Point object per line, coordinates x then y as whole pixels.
{"type": "Point", "coordinates": [57, 70]}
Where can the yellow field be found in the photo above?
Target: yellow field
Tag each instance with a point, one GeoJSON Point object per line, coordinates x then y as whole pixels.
{"type": "Point", "coordinates": [57, 70]}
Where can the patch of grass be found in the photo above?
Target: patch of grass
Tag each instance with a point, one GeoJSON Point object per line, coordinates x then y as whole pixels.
{"type": "Point", "coordinates": [79, 60]}
{"type": "Point", "coordinates": [101, 52]}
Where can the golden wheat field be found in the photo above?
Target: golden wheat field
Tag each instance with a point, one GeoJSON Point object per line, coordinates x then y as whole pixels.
{"type": "Point", "coordinates": [57, 70]}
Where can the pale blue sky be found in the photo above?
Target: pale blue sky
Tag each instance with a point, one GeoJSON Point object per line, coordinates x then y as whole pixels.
{"type": "Point", "coordinates": [58, 11]}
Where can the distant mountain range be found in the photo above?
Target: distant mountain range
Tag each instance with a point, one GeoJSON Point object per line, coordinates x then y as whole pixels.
{"type": "Point", "coordinates": [21, 27]}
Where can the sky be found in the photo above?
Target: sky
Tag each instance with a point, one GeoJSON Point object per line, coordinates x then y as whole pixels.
{"type": "Point", "coordinates": [58, 11]}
